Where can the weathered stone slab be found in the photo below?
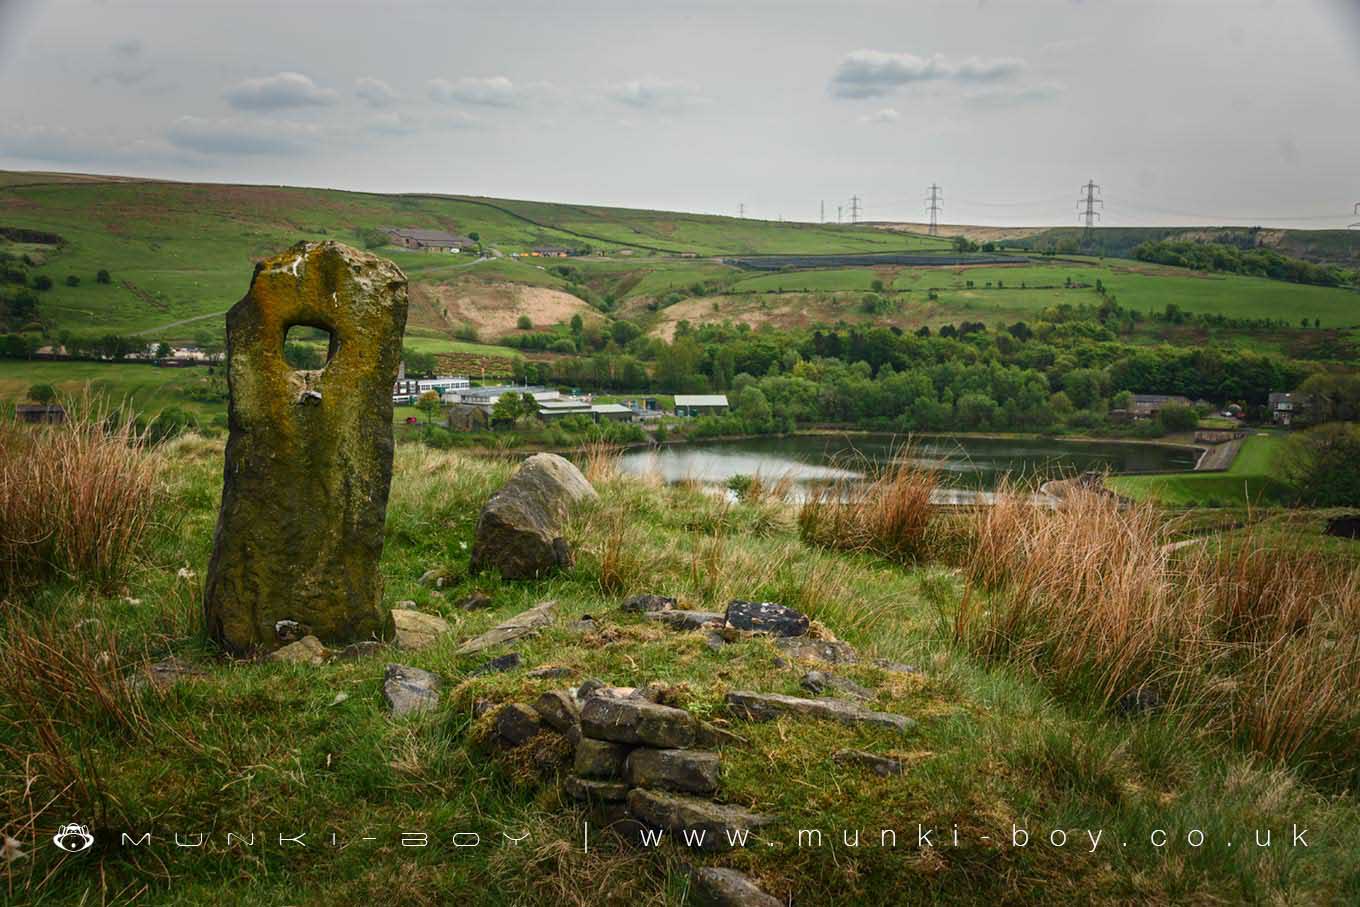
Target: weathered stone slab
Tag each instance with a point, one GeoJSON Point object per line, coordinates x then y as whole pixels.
{"type": "Point", "coordinates": [519, 531]}
{"type": "Point", "coordinates": [879, 765]}
{"type": "Point", "coordinates": [636, 721]}
{"type": "Point", "coordinates": [516, 723]}
{"type": "Point", "coordinates": [828, 650]}
{"type": "Point", "coordinates": [768, 706]}
{"type": "Point", "coordinates": [642, 604]}
{"type": "Point", "coordinates": [498, 665]}
{"type": "Point", "coordinates": [595, 791]}
{"type": "Point", "coordinates": [685, 771]}
{"type": "Point", "coordinates": [559, 710]}
{"type": "Point", "coordinates": [309, 455]}
{"type": "Point", "coordinates": [522, 624]}
{"type": "Point", "coordinates": [716, 886]}
{"type": "Point", "coordinates": [710, 823]}
{"type": "Point", "coordinates": [415, 630]}
{"type": "Point", "coordinates": [766, 617]}
{"type": "Point", "coordinates": [307, 650]}
{"type": "Point", "coordinates": [687, 620]}
{"type": "Point", "coordinates": [409, 690]}
{"type": "Point", "coordinates": [600, 758]}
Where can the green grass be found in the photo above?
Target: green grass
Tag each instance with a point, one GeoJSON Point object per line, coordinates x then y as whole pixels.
{"type": "Point", "coordinates": [1252, 479]}
{"type": "Point", "coordinates": [277, 748]}
{"type": "Point", "coordinates": [145, 388]}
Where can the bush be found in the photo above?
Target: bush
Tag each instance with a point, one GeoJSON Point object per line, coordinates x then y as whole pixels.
{"type": "Point", "coordinates": [467, 333]}
{"type": "Point", "coordinates": [102, 277]}
{"type": "Point", "coordinates": [1178, 418]}
{"type": "Point", "coordinates": [72, 280]}
{"type": "Point", "coordinates": [169, 423]}
{"type": "Point", "coordinates": [525, 323]}
{"type": "Point", "coordinates": [75, 499]}
{"type": "Point", "coordinates": [1321, 464]}
{"type": "Point", "coordinates": [42, 282]}
{"type": "Point", "coordinates": [42, 393]}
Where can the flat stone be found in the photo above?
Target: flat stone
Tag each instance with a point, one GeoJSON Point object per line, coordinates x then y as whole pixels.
{"type": "Point", "coordinates": [307, 650]}
{"type": "Point", "coordinates": [896, 667]}
{"type": "Point", "coordinates": [686, 771]}
{"type": "Point", "coordinates": [710, 823]}
{"type": "Point", "coordinates": [417, 630]}
{"type": "Point", "coordinates": [880, 765]}
{"type": "Point", "coordinates": [409, 690]}
{"type": "Point", "coordinates": [715, 886]}
{"type": "Point", "coordinates": [711, 736]}
{"type": "Point", "coordinates": [498, 665]}
{"type": "Point", "coordinates": [520, 530]}
{"type": "Point", "coordinates": [820, 682]}
{"type": "Point", "coordinates": [361, 649]}
{"type": "Point", "coordinates": [766, 617]}
{"type": "Point", "coordinates": [641, 604]}
{"type": "Point", "coordinates": [516, 723]}
{"type": "Point", "coordinates": [551, 672]}
{"type": "Point", "coordinates": [828, 650]}
{"type": "Point", "coordinates": [594, 790]}
{"type": "Point", "coordinates": [476, 601]}
{"type": "Point", "coordinates": [687, 620]}
{"type": "Point", "coordinates": [522, 624]}
{"type": "Point", "coordinates": [600, 758]}
{"type": "Point", "coordinates": [768, 706]}
{"type": "Point", "coordinates": [559, 710]}
{"type": "Point", "coordinates": [309, 456]}
{"type": "Point", "coordinates": [636, 721]}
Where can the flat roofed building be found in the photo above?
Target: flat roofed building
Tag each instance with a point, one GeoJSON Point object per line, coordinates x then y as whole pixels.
{"type": "Point", "coordinates": [700, 404]}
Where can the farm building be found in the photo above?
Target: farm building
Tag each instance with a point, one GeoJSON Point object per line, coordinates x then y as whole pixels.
{"type": "Point", "coordinates": [1147, 406]}
{"type": "Point", "coordinates": [1286, 409]}
{"type": "Point", "coordinates": [551, 251]}
{"type": "Point", "coordinates": [52, 413]}
{"type": "Point", "coordinates": [700, 404]}
{"type": "Point", "coordinates": [611, 412]}
{"type": "Point", "coordinates": [556, 409]}
{"type": "Point", "coordinates": [486, 397]}
{"type": "Point", "coordinates": [429, 240]}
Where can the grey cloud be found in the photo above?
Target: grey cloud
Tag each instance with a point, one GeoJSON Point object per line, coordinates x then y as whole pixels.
{"type": "Point", "coordinates": [232, 136]}
{"type": "Point", "coordinates": [656, 94]}
{"type": "Point", "coordinates": [874, 73]}
{"type": "Point", "coordinates": [1018, 97]}
{"type": "Point", "coordinates": [493, 91]}
{"type": "Point", "coordinates": [128, 47]}
{"type": "Point", "coordinates": [375, 92]}
{"type": "Point", "coordinates": [279, 91]}
{"type": "Point", "coordinates": [65, 146]}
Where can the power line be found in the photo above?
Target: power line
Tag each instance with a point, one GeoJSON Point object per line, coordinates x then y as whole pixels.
{"type": "Point", "coordinates": [934, 209]}
{"type": "Point", "coordinates": [838, 214]}
{"type": "Point", "coordinates": [741, 208]}
{"type": "Point", "coordinates": [822, 217]}
{"type": "Point", "coordinates": [1357, 211]}
{"type": "Point", "coordinates": [1090, 215]}
{"type": "Point", "coordinates": [854, 209]}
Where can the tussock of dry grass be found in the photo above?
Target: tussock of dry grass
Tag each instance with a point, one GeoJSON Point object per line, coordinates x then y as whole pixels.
{"type": "Point", "coordinates": [1261, 644]}
{"type": "Point", "coordinates": [888, 515]}
{"type": "Point", "coordinates": [75, 499]}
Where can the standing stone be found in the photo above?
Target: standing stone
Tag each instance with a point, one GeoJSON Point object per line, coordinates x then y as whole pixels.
{"type": "Point", "coordinates": [519, 531]}
{"type": "Point", "coordinates": [309, 456]}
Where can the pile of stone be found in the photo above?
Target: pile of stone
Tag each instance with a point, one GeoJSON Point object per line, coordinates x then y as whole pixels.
{"type": "Point", "coordinates": [637, 763]}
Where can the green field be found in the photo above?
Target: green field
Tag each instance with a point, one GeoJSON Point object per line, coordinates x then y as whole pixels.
{"type": "Point", "coordinates": [1252, 479]}
{"type": "Point", "coordinates": [145, 388]}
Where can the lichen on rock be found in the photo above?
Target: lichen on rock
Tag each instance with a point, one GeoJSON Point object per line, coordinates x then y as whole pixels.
{"type": "Point", "coordinates": [309, 455]}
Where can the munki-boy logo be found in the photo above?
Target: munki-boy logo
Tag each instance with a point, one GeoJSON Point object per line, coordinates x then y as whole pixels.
{"type": "Point", "coordinates": [73, 838]}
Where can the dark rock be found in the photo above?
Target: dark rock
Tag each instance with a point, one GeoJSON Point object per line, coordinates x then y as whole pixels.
{"type": "Point", "coordinates": [516, 723]}
{"type": "Point", "coordinates": [497, 665]}
{"type": "Point", "coordinates": [686, 771]}
{"type": "Point", "coordinates": [710, 823]}
{"type": "Point", "coordinates": [476, 601]}
{"type": "Point", "coordinates": [589, 686]}
{"type": "Point", "coordinates": [647, 603]}
{"type": "Point", "coordinates": [686, 620]}
{"type": "Point", "coordinates": [880, 765]}
{"type": "Point", "coordinates": [766, 617]}
{"type": "Point", "coordinates": [1346, 526]}
{"type": "Point", "coordinates": [408, 690]}
{"type": "Point", "coordinates": [714, 640]}
{"type": "Point", "coordinates": [304, 498]}
{"type": "Point", "coordinates": [558, 710]}
{"type": "Point", "coordinates": [519, 532]}
{"type": "Point", "coordinates": [636, 721]}
{"type": "Point", "coordinates": [820, 682]}
{"type": "Point", "coordinates": [768, 706]}
{"type": "Point", "coordinates": [551, 672]}
{"type": "Point", "coordinates": [711, 736]}
{"type": "Point", "coordinates": [718, 887]}
{"type": "Point", "coordinates": [1139, 702]}
{"type": "Point", "coordinates": [522, 624]}
{"type": "Point", "coordinates": [600, 758]}
{"type": "Point", "coordinates": [828, 650]}
{"type": "Point", "coordinates": [594, 790]}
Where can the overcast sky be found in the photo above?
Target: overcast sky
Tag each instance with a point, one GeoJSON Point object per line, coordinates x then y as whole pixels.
{"type": "Point", "coordinates": [1183, 111]}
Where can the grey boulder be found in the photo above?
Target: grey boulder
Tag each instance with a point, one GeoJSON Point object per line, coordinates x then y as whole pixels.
{"type": "Point", "coordinates": [519, 531]}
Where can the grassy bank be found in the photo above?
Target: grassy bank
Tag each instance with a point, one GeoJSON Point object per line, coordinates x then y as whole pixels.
{"type": "Point", "coordinates": [280, 748]}
{"type": "Point", "coordinates": [1252, 479]}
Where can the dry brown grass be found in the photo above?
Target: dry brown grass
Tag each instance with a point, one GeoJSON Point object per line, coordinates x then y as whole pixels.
{"type": "Point", "coordinates": [888, 515]}
{"type": "Point", "coordinates": [1259, 644]}
{"type": "Point", "coordinates": [75, 499]}
{"type": "Point", "coordinates": [601, 461]}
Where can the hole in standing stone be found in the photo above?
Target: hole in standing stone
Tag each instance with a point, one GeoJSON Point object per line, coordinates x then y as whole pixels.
{"type": "Point", "coordinates": [307, 346]}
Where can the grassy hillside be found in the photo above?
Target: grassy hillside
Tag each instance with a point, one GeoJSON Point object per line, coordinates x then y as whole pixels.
{"type": "Point", "coordinates": [1252, 480]}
